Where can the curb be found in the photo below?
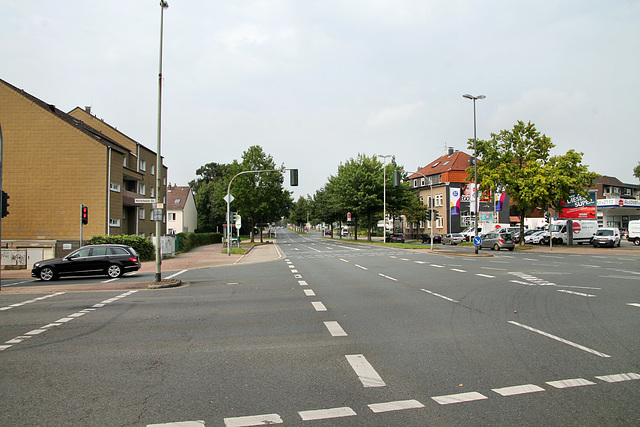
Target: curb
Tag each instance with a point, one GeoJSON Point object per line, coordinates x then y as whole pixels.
{"type": "Point", "coordinates": [165, 283]}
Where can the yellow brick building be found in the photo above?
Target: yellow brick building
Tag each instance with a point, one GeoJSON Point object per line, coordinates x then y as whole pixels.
{"type": "Point", "coordinates": [54, 162]}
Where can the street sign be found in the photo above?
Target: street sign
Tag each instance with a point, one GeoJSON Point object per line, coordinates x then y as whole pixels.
{"type": "Point", "coordinates": [145, 200]}
{"type": "Point", "coordinates": [156, 215]}
{"type": "Point", "coordinates": [477, 240]}
{"type": "Point", "coordinates": [228, 198]}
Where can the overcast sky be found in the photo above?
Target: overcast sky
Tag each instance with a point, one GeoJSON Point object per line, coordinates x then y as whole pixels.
{"type": "Point", "coordinates": [317, 82]}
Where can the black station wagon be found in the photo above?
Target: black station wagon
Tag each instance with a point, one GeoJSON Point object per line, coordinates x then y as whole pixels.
{"type": "Point", "coordinates": [109, 260]}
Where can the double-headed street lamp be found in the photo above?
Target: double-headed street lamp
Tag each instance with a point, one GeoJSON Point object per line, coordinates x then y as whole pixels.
{"type": "Point", "coordinates": [475, 162]}
{"type": "Point", "coordinates": [384, 195]}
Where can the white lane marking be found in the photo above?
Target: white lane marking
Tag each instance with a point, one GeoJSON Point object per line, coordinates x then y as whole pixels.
{"type": "Point", "coordinates": [297, 276]}
{"type": "Point", "coordinates": [621, 277]}
{"type": "Point", "coordinates": [110, 280]}
{"type": "Point", "coordinates": [309, 293]}
{"type": "Point", "coordinates": [437, 266]}
{"type": "Point", "coordinates": [198, 423]}
{"type": "Point", "coordinates": [405, 259]}
{"type": "Point", "coordinates": [562, 340]}
{"type": "Point", "coordinates": [529, 259]}
{"type": "Point", "coordinates": [518, 389]}
{"type": "Point", "coordinates": [619, 377]}
{"type": "Point", "coordinates": [576, 293]}
{"type": "Point", "coordinates": [359, 266]}
{"type": "Point", "coordinates": [343, 260]}
{"type": "Point", "coordinates": [253, 420]}
{"type": "Point", "coordinates": [393, 256]}
{"type": "Point", "coordinates": [574, 382]}
{"type": "Point", "coordinates": [294, 271]}
{"type": "Point", "coordinates": [365, 372]}
{"type": "Point", "coordinates": [398, 405]}
{"type": "Point", "coordinates": [313, 249]}
{"type": "Point", "coordinates": [494, 268]}
{"type": "Point", "coordinates": [302, 283]}
{"type": "Point", "coordinates": [319, 306]}
{"type": "Point", "coordinates": [18, 283]}
{"type": "Point", "coordinates": [459, 398]}
{"type": "Point", "coordinates": [323, 414]}
{"type": "Point", "coordinates": [335, 329]}
{"type": "Point", "coordinates": [485, 275]}
{"type": "Point", "coordinates": [36, 332]}
{"type": "Point", "coordinates": [522, 283]}
{"type": "Point", "coordinates": [458, 270]}
{"type": "Point", "coordinates": [292, 266]}
{"type": "Point", "coordinates": [438, 295]}
{"type": "Point", "coordinates": [634, 304]}
{"type": "Point", "coordinates": [387, 277]}
{"type": "Point", "coordinates": [31, 301]}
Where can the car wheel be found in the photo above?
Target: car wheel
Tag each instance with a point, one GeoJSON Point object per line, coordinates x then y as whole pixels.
{"type": "Point", "coordinates": [496, 247]}
{"type": "Point", "coordinates": [114, 271]}
{"type": "Point", "coordinates": [47, 273]}
{"type": "Point", "coordinates": [636, 242]}
{"type": "Point", "coordinates": [510, 249]}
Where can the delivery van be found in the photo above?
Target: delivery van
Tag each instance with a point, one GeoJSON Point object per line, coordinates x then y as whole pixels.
{"type": "Point", "coordinates": [583, 231]}
{"type": "Point", "coordinates": [634, 232]}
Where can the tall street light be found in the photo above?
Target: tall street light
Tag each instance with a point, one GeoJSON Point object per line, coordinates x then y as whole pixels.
{"type": "Point", "coordinates": [475, 162]}
{"type": "Point", "coordinates": [384, 196]}
{"type": "Point", "coordinates": [163, 5]}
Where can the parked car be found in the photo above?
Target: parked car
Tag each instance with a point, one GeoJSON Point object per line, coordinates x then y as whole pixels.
{"type": "Point", "coordinates": [110, 260]}
{"type": "Point", "coordinates": [426, 238]}
{"type": "Point", "coordinates": [534, 238]}
{"type": "Point", "coordinates": [469, 233]}
{"type": "Point", "coordinates": [453, 239]}
{"type": "Point", "coordinates": [395, 238]}
{"type": "Point", "coordinates": [498, 240]}
{"type": "Point", "coordinates": [606, 237]}
{"type": "Point", "coordinates": [541, 239]}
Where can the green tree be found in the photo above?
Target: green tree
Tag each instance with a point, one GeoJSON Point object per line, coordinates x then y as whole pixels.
{"type": "Point", "coordinates": [636, 171]}
{"type": "Point", "coordinates": [258, 197]}
{"type": "Point", "coordinates": [208, 189]}
{"type": "Point", "coordinates": [519, 161]}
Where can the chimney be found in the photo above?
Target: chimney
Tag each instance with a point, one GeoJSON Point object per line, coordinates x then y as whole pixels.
{"type": "Point", "coordinates": [450, 150]}
{"type": "Point", "coordinates": [87, 108]}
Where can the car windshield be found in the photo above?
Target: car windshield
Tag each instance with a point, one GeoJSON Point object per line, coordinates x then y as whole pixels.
{"type": "Point", "coordinates": [604, 233]}
{"type": "Point", "coordinates": [457, 235]}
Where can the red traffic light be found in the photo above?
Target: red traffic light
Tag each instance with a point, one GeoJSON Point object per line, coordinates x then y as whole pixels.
{"type": "Point", "coordinates": [85, 214]}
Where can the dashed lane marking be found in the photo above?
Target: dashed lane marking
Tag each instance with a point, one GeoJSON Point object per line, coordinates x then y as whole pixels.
{"type": "Point", "coordinates": [335, 329]}
{"type": "Point", "coordinates": [634, 304]}
{"type": "Point", "coordinates": [576, 382]}
{"type": "Point", "coordinates": [398, 405]}
{"type": "Point", "coordinates": [309, 293]}
{"type": "Point", "coordinates": [387, 277]}
{"type": "Point", "coordinates": [19, 304]}
{"type": "Point", "coordinates": [438, 295]}
{"type": "Point", "coordinates": [365, 372]}
{"type": "Point", "coordinates": [319, 306]}
{"type": "Point", "coordinates": [459, 398]}
{"type": "Point", "coordinates": [359, 266]}
{"type": "Point", "coordinates": [619, 377]}
{"type": "Point", "coordinates": [253, 420]}
{"type": "Point", "coordinates": [577, 293]}
{"type": "Point", "coordinates": [485, 275]}
{"type": "Point", "coordinates": [323, 414]}
{"type": "Point", "coordinates": [518, 389]}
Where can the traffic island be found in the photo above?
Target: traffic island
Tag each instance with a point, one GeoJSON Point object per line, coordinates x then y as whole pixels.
{"type": "Point", "coordinates": [165, 283]}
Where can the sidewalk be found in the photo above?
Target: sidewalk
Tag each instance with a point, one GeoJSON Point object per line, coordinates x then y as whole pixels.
{"type": "Point", "coordinates": [200, 257]}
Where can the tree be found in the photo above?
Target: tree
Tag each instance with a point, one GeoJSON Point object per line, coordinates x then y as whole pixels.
{"type": "Point", "coordinates": [259, 197]}
{"type": "Point", "coordinates": [636, 171]}
{"type": "Point", "coordinates": [208, 191]}
{"type": "Point", "coordinates": [518, 161]}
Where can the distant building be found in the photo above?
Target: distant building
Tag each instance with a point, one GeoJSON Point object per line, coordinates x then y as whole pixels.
{"type": "Point", "coordinates": [54, 162]}
{"type": "Point", "coordinates": [182, 214]}
{"type": "Point", "coordinates": [443, 185]}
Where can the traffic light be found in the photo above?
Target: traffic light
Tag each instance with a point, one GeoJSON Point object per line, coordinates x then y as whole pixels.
{"type": "Point", "coordinates": [5, 204]}
{"type": "Point", "coordinates": [396, 178]}
{"type": "Point", "coordinates": [85, 215]}
{"type": "Point", "coordinates": [293, 177]}
{"type": "Point", "coordinates": [546, 216]}
{"type": "Point", "coordinates": [432, 213]}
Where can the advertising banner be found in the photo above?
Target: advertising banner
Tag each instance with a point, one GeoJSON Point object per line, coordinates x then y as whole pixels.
{"type": "Point", "coordinates": [578, 207]}
{"type": "Point", "coordinates": [499, 200]}
{"type": "Point", "coordinates": [454, 197]}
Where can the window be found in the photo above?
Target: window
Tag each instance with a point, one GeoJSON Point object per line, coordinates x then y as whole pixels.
{"type": "Point", "coordinates": [435, 164]}
{"type": "Point", "coordinates": [422, 182]}
{"type": "Point", "coordinates": [177, 201]}
{"type": "Point", "coordinates": [99, 251]}
{"type": "Point", "coordinates": [142, 189]}
{"type": "Point", "coordinates": [141, 213]}
{"type": "Point", "coordinates": [172, 216]}
{"type": "Point", "coordinates": [114, 222]}
{"type": "Point", "coordinates": [415, 183]}
{"type": "Point", "coordinates": [114, 187]}
{"type": "Point", "coordinates": [440, 222]}
{"type": "Point", "coordinates": [124, 160]}
{"type": "Point", "coordinates": [153, 169]}
{"type": "Point", "coordinates": [429, 201]}
{"type": "Point", "coordinates": [143, 165]}
{"type": "Point", "coordinates": [152, 192]}
{"type": "Point", "coordinates": [439, 200]}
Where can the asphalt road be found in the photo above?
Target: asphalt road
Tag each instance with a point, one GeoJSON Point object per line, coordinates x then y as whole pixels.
{"type": "Point", "coordinates": [336, 334]}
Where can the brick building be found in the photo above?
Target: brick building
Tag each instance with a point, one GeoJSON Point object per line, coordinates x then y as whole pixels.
{"type": "Point", "coordinates": [54, 162]}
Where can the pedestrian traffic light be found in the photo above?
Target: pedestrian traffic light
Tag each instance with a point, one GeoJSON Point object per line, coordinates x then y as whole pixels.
{"type": "Point", "coordinates": [85, 214]}
{"type": "Point", "coordinates": [293, 177]}
{"type": "Point", "coordinates": [396, 178]}
{"type": "Point", "coordinates": [5, 204]}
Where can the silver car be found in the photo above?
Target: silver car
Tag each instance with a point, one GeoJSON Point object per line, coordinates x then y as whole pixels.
{"type": "Point", "coordinates": [498, 240]}
{"type": "Point", "coordinates": [452, 239]}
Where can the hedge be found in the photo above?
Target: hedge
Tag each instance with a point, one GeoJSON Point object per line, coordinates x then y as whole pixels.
{"type": "Point", "coordinates": [142, 245]}
{"type": "Point", "coordinates": [188, 241]}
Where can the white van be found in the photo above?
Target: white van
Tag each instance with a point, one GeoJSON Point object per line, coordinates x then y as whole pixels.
{"type": "Point", "coordinates": [583, 231]}
{"type": "Point", "coordinates": [634, 232]}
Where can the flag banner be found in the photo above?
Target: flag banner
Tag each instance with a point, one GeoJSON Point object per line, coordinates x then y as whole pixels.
{"type": "Point", "coordinates": [454, 197]}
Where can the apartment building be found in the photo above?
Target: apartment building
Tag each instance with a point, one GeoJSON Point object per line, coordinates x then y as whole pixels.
{"type": "Point", "coordinates": [54, 162]}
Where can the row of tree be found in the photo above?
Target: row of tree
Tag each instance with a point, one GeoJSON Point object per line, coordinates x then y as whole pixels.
{"type": "Point", "coordinates": [516, 161]}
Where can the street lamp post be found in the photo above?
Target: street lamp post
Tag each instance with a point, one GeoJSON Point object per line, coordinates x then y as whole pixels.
{"type": "Point", "coordinates": [475, 162]}
{"type": "Point", "coordinates": [163, 5]}
{"type": "Point", "coordinates": [384, 196]}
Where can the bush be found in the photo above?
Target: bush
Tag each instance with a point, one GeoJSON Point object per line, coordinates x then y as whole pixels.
{"type": "Point", "coordinates": [142, 245]}
{"type": "Point", "coordinates": [188, 241]}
